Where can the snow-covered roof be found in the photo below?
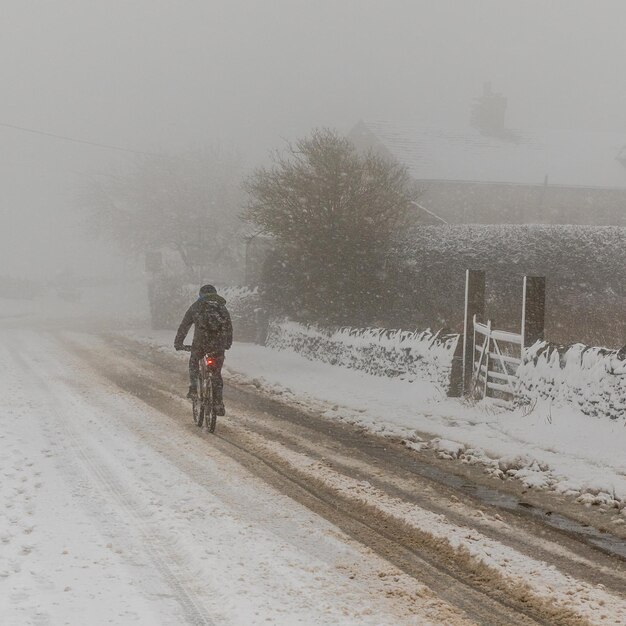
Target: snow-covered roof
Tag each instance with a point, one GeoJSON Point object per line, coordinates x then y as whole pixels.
{"type": "Point", "coordinates": [567, 158]}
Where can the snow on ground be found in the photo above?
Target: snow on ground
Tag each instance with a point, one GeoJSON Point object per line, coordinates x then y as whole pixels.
{"type": "Point", "coordinates": [99, 301]}
{"type": "Point", "coordinates": [16, 307]}
{"type": "Point", "coordinates": [551, 447]}
{"type": "Point", "coordinates": [586, 599]}
{"type": "Point", "coordinates": [117, 514]}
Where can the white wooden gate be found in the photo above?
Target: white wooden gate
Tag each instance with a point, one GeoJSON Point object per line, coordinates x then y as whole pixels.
{"type": "Point", "coordinates": [497, 355]}
{"type": "Point", "coordinates": [492, 357]}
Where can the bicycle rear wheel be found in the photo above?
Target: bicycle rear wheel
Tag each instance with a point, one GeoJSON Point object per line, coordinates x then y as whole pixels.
{"type": "Point", "coordinates": [198, 405]}
{"type": "Point", "coordinates": [198, 412]}
{"type": "Point", "coordinates": [209, 408]}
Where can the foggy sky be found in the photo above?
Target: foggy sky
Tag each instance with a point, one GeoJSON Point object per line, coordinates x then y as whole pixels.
{"type": "Point", "coordinates": [168, 75]}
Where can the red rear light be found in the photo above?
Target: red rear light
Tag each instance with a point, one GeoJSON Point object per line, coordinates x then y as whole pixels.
{"type": "Point", "coordinates": [209, 361]}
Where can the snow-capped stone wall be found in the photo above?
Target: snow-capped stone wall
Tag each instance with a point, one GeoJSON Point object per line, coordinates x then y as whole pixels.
{"type": "Point", "coordinates": [592, 380]}
{"type": "Point", "coordinates": [409, 355]}
{"type": "Point", "coordinates": [589, 379]}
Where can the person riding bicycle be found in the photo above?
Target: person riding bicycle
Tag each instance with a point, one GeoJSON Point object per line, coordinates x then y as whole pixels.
{"type": "Point", "coordinates": [213, 334]}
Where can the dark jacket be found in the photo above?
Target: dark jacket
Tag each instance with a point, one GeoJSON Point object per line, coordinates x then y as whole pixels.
{"type": "Point", "coordinates": [213, 330]}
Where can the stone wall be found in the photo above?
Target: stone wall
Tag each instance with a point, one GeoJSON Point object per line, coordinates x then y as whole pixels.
{"type": "Point", "coordinates": [589, 379]}
{"type": "Point", "coordinates": [409, 355]}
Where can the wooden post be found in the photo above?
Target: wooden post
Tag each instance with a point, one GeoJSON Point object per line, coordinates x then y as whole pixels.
{"type": "Point", "coordinates": [533, 310]}
{"type": "Point", "coordinates": [487, 349]}
{"type": "Point", "coordinates": [474, 305]}
{"type": "Point", "coordinates": [455, 384]}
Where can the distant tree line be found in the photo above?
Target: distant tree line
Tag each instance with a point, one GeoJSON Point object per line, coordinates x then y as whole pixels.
{"type": "Point", "coordinates": [188, 204]}
{"type": "Point", "coordinates": [345, 248]}
{"type": "Point", "coordinates": [331, 213]}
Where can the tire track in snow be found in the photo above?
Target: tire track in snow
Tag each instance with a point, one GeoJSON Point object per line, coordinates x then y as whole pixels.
{"type": "Point", "coordinates": [349, 583]}
{"type": "Point", "coordinates": [486, 605]}
{"type": "Point", "coordinates": [334, 440]}
{"type": "Point", "coordinates": [169, 441]}
{"type": "Point", "coordinates": [529, 539]}
{"type": "Point", "coordinates": [153, 544]}
{"type": "Point", "coordinates": [151, 386]}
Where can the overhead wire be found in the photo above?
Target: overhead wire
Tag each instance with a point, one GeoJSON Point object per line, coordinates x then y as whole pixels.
{"type": "Point", "coordinates": [96, 144]}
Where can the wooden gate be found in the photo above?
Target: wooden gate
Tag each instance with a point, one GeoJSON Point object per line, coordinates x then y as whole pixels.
{"type": "Point", "coordinates": [497, 355]}
{"type": "Point", "coordinates": [491, 357]}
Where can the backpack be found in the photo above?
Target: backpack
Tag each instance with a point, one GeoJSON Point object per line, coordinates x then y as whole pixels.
{"type": "Point", "coordinates": [211, 322]}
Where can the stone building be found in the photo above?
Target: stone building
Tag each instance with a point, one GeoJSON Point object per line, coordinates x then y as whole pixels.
{"type": "Point", "coordinates": [487, 174]}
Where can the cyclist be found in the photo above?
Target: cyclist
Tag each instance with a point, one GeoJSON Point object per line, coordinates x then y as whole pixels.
{"type": "Point", "coordinates": [213, 334]}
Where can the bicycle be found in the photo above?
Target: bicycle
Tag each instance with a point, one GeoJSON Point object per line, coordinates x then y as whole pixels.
{"type": "Point", "coordinates": [203, 404]}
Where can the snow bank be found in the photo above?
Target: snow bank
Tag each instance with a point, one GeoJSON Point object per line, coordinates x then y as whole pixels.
{"type": "Point", "coordinates": [407, 355]}
{"type": "Point", "coordinates": [588, 379]}
{"type": "Point", "coordinates": [591, 380]}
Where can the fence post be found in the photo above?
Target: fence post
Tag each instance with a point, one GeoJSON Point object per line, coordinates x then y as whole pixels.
{"type": "Point", "coordinates": [533, 310]}
{"type": "Point", "coordinates": [474, 305]}
{"type": "Point", "coordinates": [487, 350]}
{"type": "Point", "coordinates": [455, 384]}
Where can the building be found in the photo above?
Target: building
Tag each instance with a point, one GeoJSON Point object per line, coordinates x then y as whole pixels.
{"type": "Point", "coordinates": [488, 174]}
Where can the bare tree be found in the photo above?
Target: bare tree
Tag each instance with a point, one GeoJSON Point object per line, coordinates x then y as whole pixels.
{"type": "Point", "coordinates": [333, 214]}
{"type": "Point", "coordinates": [189, 204]}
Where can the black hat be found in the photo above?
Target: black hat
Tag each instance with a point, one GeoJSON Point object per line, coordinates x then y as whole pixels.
{"type": "Point", "coordinates": [207, 289]}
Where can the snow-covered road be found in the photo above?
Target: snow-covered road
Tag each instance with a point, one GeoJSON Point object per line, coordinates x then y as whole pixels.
{"type": "Point", "coordinates": [115, 514]}
{"type": "Point", "coordinates": [118, 511]}
{"type": "Point", "coordinates": [544, 447]}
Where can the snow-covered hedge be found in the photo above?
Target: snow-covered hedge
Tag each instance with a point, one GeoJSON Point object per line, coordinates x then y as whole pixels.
{"type": "Point", "coordinates": [583, 266]}
{"type": "Point", "coordinates": [393, 353]}
{"type": "Point", "coordinates": [593, 380]}
{"type": "Point", "coordinates": [241, 303]}
{"type": "Point", "coordinates": [234, 295]}
{"type": "Point", "coordinates": [171, 299]}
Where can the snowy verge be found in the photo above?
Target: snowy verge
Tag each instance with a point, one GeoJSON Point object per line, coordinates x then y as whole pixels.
{"type": "Point", "coordinates": [555, 448]}
{"type": "Point", "coordinates": [587, 379]}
